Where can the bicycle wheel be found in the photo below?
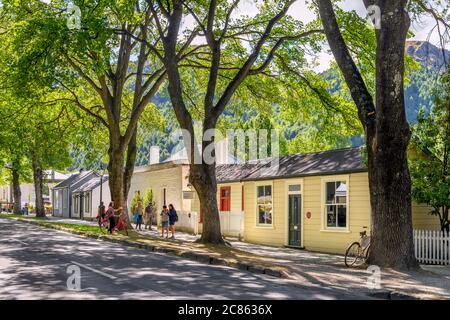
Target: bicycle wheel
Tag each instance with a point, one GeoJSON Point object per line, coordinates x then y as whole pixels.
{"type": "Point", "coordinates": [352, 254]}
{"type": "Point", "coordinates": [366, 255]}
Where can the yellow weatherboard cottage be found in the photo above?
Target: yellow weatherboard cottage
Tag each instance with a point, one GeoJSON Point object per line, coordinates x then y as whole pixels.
{"type": "Point", "coordinates": [317, 201]}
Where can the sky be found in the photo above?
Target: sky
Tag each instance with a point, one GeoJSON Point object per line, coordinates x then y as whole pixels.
{"type": "Point", "coordinates": [300, 11]}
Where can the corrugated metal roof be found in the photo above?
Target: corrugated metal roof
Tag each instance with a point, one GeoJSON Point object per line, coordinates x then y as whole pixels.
{"type": "Point", "coordinates": [75, 180]}
{"type": "Point", "coordinates": [90, 184]}
{"type": "Point", "coordinates": [296, 165]}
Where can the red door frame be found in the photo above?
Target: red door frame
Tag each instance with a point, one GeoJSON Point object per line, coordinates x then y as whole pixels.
{"type": "Point", "coordinates": [225, 200]}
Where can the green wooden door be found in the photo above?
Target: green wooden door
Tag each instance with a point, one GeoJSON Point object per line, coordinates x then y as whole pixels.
{"type": "Point", "coordinates": [295, 201]}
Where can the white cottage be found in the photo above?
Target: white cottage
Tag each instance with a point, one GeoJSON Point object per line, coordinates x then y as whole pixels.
{"type": "Point", "coordinates": [86, 197]}
{"type": "Point", "coordinates": [28, 194]}
{"type": "Point", "coordinates": [169, 181]}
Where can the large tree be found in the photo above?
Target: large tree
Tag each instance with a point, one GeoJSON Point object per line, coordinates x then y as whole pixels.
{"type": "Point", "coordinates": [104, 63]}
{"type": "Point", "coordinates": [387, 131]}
{"type": "Point", "coordinates": [36, 134]}
{"type": "Point", "coordinates": [234, 48]}
{"type": "Point", "coordinates": [13, 163]}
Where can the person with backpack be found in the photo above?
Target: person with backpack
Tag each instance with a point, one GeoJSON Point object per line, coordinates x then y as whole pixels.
{"type": "Point", "coordinates": [173, 218]}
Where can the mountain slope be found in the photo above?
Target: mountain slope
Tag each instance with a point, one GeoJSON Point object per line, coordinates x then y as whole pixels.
{"type": "Point", "coordinates": [419, 92]}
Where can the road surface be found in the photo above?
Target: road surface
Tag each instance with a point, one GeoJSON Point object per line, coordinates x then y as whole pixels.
{"type": "Point", "coordinates": [34, 262]}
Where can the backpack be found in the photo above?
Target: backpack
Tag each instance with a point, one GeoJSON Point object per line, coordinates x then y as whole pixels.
{"type": "Point", "coordinates": [176, 216]}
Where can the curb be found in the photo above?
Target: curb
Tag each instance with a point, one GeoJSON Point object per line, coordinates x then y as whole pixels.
{"type": "Point", "coordinates": [391, 295]}
{"type": "Point", "coordinates": [199, 257]}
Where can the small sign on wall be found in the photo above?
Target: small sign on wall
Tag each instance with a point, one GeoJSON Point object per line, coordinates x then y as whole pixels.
{"type": "Point", "coordinates": [188, 195]}
{"type": "Point", "coordinates": [308, 215]}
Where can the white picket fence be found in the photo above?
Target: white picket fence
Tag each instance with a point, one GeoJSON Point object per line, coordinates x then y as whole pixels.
{"type": "Point", "coordinates": [231, 223]}
{"type": "Point", "coordinates": [432, 247]}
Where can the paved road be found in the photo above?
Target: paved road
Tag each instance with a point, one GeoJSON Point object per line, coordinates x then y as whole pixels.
{"type": "Point", "coordinates": [34, 262]}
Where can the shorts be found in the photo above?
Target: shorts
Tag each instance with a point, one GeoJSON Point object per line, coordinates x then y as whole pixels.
{"type": "Point", "coordinates": [165, 224]}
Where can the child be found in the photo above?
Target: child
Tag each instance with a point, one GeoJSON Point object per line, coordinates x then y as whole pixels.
{"type": "Point", "coordinates": [165, 221]}
{"type": "Point", "coordinates": [139, 215]}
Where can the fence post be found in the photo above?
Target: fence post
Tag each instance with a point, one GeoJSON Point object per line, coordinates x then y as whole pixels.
{"type": "Point", "coordinates": [447, 252]}
{"type": "Point", "coordinates": [415, 243]}
{"type": "Point", "coordinates": [422, 245]}
{"type": "Point", "coordinates": [444, 249]}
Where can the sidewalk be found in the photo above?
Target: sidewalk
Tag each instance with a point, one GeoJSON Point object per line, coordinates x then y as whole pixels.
{"type": "Point", "coordinates": [319, 269]}
{"type": "Point", "coordinates": [306, 268]}
{"type": "Point", "coordinates": [328, 270]}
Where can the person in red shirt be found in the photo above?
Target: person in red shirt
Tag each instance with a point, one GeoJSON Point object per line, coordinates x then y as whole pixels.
{"type": "Point", "coordinates": [110, 214]}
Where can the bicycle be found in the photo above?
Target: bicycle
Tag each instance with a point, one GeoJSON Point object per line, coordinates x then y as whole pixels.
{"type": "Point", "coordinates": [103, 224]}
{"type": "Point", "coordinates": [358, 252]}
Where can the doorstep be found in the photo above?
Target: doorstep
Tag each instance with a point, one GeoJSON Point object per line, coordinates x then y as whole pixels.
{"type": "Point", "coordinates": [294, 247]}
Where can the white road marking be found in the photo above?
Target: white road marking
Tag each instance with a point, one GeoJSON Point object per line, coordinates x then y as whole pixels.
{"type": "Point", "coordinates": [22, 242]}
{"type": "Point", "coordinates": [94, 270]}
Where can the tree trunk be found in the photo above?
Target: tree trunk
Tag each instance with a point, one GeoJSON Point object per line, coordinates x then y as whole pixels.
{"type": "Point", "coordinates": [38, 178]}
{"type": "Point", "coordinates": [116, 180]}
{"type": "Point", "coordinates": [445, 223]}
{"type": "Point", "coordinates": [17, 194]}
{"type": "Point", "coordinates": [115, 170]}
{"type": "Point", "coordinates": [129, 165]}
{"type": "Point", "coordinates": [389, 179]}
{"type": "Point", "coordinates": [203, 178]}
{"type": "Point", "coordinates": [387, 131]}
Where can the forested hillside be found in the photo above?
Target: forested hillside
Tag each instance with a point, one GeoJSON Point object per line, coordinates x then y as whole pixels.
{"type": "Point", "coordinates": [429, 57]}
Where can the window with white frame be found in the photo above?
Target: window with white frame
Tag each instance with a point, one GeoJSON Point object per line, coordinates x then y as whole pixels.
{"type": "Point", "coordinates": [264, 205]}
{"type": "Point", "coordinates": [76, 205]}
{"type": "Point", "coordinates": [87, 203]}
{"type": "Point", "coordinates": [336, 211]}
{"type": "Point", "coordinates": [56, 199]}
{"type": "Point", "coordinates": [65, 198]}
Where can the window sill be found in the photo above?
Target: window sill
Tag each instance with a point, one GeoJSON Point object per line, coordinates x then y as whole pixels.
{"type": "Point", "coordinates": [259, 226]}
{"type": "Point", "coordinates": [336, 230]}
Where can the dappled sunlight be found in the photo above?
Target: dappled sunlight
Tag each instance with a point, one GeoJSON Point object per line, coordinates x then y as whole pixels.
{"type": "Point", "coordinates": [34, 262]}
{"type": "Point", "coordinates": [328, 270]}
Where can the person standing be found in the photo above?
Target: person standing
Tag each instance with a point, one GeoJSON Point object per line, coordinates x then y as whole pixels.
{"type": "Point", "coordinates": [165, 221]}
{"type": "Point", "coordinates": [110, 216]}
{"type": "Point", "coordinates": [173, 217]}
{"type": "Point", "coordinates": [139, 215]}
{"type": "Point", "coordinates": [148, 216]}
